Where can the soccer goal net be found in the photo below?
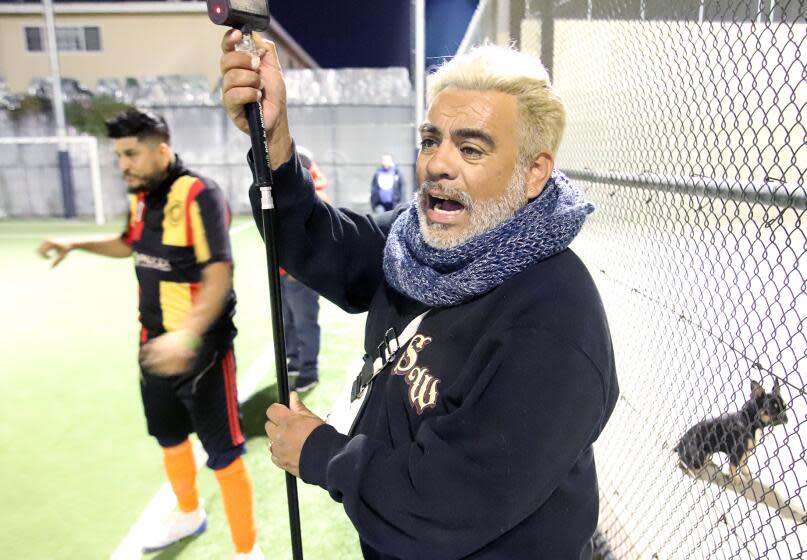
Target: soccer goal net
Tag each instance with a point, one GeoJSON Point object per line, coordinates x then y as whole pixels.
{"type": "Point", "coordinates": [30, 181]}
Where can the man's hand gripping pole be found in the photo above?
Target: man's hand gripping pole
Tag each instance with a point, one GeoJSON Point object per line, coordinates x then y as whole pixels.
{"type": "Point", "coordinates": [260, 149]}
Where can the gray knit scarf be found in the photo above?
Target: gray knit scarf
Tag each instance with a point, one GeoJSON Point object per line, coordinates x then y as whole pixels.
{"type": "Point", "coordinates": [445, 277]}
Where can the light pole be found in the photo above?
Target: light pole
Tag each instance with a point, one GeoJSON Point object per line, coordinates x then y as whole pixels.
{"type": "Point", "coordinates": [65, 170]}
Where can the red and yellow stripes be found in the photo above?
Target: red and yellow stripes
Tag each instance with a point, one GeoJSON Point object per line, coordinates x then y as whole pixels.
{"type": "Point", "coordinates": [176, 301]}
{"type": "Point", "coordinates": [137, 209]}
{"type": "Point", "coordinates": [197, 235]}
{"type": "Point", "coordinates": [228, 366]}
{"type": "Point", "coordinates": [182, 218]}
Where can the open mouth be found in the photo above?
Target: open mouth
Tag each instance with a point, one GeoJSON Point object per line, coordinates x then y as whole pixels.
{"type": "Point", "coordinates": [443, 204]}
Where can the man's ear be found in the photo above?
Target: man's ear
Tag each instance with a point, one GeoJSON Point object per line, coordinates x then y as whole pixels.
{"type": "Point", "coordinates": [539, 173]}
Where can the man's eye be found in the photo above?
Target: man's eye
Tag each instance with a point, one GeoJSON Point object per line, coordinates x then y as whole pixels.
{"type": "Point", "coordinates": [427, 143]}
{"type": "Point", "coordinates": [471, 151]}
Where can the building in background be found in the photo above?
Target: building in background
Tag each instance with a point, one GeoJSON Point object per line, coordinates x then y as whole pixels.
{"type": "Point", "coordinates": [119, 40]}
{"type": "Point", "coordinates": [165, 56]}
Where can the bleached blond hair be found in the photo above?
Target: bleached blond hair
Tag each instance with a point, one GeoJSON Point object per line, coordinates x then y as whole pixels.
{"type": "Point", "coordinates": [542, 115]}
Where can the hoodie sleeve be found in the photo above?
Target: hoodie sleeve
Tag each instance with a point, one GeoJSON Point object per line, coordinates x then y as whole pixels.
{"type": "Point", "coordinates": [473, 474]}
{"type": "Point", "coordinates": [336, 252]}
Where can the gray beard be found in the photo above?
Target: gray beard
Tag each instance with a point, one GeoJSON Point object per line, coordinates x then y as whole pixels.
{"type": "Point", "coordinates": [482, 216]}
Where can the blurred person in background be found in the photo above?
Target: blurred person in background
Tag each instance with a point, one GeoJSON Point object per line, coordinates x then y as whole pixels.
{"type": "Point", "coordinates": [386, 187]}
{"type": "Point", "coordinates": [489, 370]}
{"type": "Point", "coordinates": [301, 305]}
{"type": "Point", "coordinates": [177, 232]}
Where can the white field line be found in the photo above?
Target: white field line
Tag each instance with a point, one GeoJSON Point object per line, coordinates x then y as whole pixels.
{"type": "Point", "coordinates": [39, 236]}
{"type": "Point", "coordinates": [241, 227]}
{"type": "Point", "coordinates": [42, 236]}
{"type": "Point", "coordinates": [130, 548]}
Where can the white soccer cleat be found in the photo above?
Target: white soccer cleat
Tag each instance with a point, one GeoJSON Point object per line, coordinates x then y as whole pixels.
{"type": "Point", "coordinates": [255, 554]}
{"type": "Point", "coordinates": [176, 526]}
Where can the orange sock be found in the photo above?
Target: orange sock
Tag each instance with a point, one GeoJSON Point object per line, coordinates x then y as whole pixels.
{"type": "Point", "coordinates": [180, 467]}
{"type": "Point", "coordinates": [236, 493]}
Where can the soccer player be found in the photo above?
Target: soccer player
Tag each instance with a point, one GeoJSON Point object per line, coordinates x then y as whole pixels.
{"type": "Point", "coordinates": [176, 231]}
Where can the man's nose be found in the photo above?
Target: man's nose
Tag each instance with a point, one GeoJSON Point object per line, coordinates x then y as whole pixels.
{"type": "Point", "coordinates": [443, 163]}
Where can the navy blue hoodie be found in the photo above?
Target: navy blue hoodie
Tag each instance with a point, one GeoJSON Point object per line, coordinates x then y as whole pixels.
{"type": "Point", "coordinates": [476, 441]}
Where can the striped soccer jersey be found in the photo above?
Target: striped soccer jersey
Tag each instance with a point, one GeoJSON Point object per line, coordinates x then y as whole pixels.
{"type": "Point", "coordinates": [174, 232]}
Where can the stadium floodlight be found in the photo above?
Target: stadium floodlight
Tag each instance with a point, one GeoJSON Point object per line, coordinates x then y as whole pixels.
{"type": "Point", "coordinates": [249, 16]}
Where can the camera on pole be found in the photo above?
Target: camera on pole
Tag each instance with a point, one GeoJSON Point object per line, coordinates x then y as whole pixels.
{"type": "Point", "coordinates": [246, 15]}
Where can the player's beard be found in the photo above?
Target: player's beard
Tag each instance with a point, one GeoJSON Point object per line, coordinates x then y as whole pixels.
{"type": "Point", "coordinates": [482, 215]}
{"type": "Point", "coordinates": [148, 184]}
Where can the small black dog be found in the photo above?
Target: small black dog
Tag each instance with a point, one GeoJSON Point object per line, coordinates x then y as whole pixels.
{"type": "Point", "coordinates": [734, 434]}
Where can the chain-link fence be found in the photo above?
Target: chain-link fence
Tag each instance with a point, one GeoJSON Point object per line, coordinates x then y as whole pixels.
{"type": "Point", "coordinates": [686, 129]}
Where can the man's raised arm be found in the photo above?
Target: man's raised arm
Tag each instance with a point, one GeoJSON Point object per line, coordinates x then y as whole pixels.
{"type": "Point", "coordinates": [336, 252]}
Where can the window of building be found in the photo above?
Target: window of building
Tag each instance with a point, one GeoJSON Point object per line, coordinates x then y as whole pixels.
{"type": "Point", "coordinates": [33, 39]}
{"type": "Point", "coordinates": [68, 39]}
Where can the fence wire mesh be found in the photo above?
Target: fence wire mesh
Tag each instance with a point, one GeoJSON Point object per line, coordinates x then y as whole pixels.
{"type": "Point", "coordinates": [687, 130]}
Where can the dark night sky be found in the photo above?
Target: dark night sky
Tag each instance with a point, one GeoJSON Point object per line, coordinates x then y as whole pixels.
{"type": "Point", "coordinates": [365, 33]}
{"type": "Point", "coordinates": [371, 33]}
{"type": "Point", "coordinates": [344, 33]}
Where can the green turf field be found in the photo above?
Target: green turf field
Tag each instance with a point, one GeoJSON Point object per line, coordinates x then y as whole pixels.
{"type": "Point", "coordinates": [76, 464]}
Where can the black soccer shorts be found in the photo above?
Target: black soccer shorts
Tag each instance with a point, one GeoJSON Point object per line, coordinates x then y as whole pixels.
{"type": "Point", "coordinates": [204, 401]}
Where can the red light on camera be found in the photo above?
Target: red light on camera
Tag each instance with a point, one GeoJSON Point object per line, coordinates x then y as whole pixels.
{"type": "Point", "coordinates": [218, 9]}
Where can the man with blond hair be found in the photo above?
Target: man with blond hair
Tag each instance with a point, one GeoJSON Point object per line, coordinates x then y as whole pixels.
{"type": "Point", "coordinates": [489, 370]}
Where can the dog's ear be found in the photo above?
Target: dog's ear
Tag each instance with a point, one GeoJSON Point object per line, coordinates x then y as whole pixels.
{"type": "Point", "coordinates": [757, 391]}
{"type": "Point", "coordinates": [776, 388]}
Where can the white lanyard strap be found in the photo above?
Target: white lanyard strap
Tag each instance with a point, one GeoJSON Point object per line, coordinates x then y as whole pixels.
{"type": "Point", "coordinates": [387, 350]}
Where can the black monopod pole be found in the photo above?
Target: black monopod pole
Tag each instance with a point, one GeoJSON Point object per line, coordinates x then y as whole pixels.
{"type": "Point", "coordinates": [248, 15]}
{"type": "Point", "coordinates": [263, 175]}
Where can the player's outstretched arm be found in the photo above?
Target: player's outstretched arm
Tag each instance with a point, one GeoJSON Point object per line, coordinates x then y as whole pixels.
{"type": "Point", "coordinates": [106, 245]}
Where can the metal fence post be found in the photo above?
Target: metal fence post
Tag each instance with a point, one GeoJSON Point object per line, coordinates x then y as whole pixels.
{"type": "Point", "coordinates": [547, 34]}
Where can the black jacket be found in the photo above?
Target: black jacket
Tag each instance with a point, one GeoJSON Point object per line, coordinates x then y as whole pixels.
{"type": "Point", "coordinates": [476, 443]}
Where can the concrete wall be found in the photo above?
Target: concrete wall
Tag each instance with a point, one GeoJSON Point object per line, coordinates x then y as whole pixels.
{"type": "Point", "coordinates": [347, 142]}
